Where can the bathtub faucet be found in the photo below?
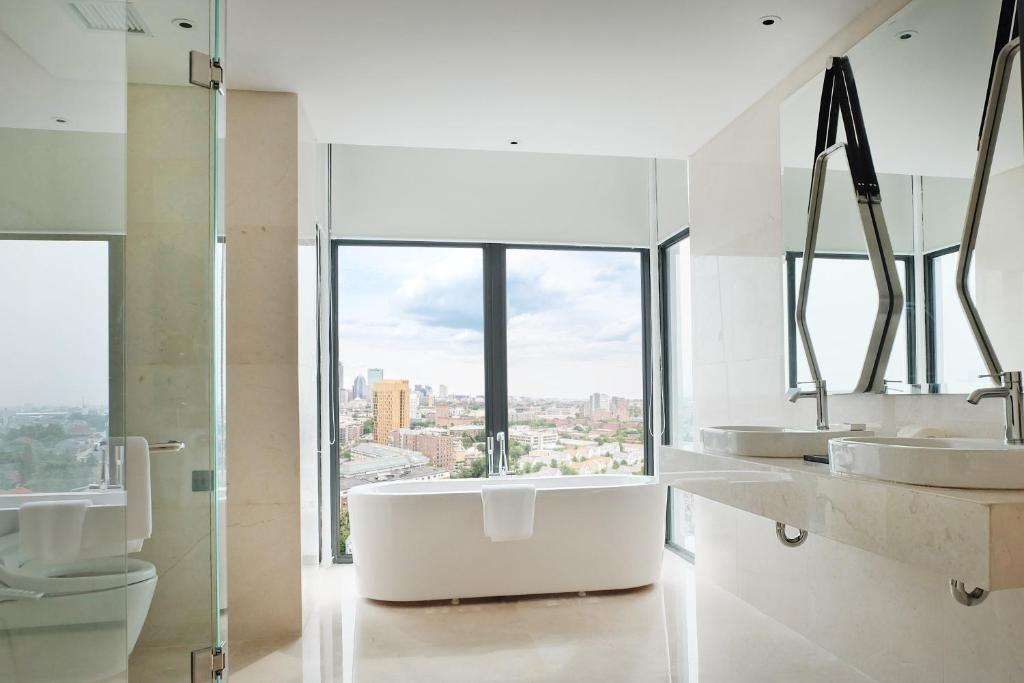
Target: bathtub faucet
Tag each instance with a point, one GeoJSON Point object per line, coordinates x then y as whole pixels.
{"type": "Point", "coordinates": [499, 468]}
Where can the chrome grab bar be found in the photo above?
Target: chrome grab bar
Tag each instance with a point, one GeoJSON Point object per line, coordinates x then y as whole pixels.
{"type": "Point", "coordinates": [167, 447]}
{"type": "Point", "coordinates": [982, 170]}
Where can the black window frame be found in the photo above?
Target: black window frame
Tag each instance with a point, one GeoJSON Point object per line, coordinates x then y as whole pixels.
{"type": "Point", "coordinates": [495, 311]}
{"type": "Point", "coordinates": [666, 393]}
{"type": "Point", "coordinates": [909, 309]}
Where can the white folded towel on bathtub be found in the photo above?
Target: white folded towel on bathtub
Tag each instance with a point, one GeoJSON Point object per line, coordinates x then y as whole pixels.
{"type": "Point", "coordinates": [508, 511]}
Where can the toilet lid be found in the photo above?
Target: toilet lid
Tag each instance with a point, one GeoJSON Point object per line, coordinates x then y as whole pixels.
{"type": "Point", "coordinates": [82, 576]}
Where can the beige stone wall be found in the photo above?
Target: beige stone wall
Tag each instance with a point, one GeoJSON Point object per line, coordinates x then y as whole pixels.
{"type": "Point", "coordinates": [892, 621]}
{"type": "Point", "coordinates": [264, 564]}
{"type": "Point", "coordinates": [168, 332]}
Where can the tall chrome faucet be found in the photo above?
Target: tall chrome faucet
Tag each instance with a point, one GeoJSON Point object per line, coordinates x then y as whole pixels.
{"type": "Point", "coordinates": [1010, 391]}
{"type": "Point", "coordinates": [820, 395]}
{"type": "Point", "coordinates": [497, 468]}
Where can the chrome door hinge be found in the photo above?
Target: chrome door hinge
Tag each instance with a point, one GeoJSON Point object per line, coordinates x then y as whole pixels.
{"type": "Point", "coordinates": [205, 71]}
{"type": "Point", "coordinates": [208, 664]}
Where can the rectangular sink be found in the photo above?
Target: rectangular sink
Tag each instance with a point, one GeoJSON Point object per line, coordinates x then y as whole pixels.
{"type": "Point", "coordinates": [950, 463]}
{"type": "Point", "coordinates": [770, 442]}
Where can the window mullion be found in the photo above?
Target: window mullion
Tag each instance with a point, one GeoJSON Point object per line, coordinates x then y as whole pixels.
{"type": "Point", "coordinates": [495, 344]}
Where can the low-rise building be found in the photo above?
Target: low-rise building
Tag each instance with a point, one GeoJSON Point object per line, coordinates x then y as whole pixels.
{"type": "Point", "coordinates": [436, 444]}
{"type": "Point", "coordinates": [533, 437]}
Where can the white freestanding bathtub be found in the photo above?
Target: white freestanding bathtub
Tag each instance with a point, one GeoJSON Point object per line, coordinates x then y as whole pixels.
{"type": "Point", "coordinates": [424, 540]}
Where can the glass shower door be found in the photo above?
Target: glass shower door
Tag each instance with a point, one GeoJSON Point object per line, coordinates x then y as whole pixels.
{"type": "Point", "coordinates": [174, 342]}
{"type": "Point", "coordinates": [110, 299]}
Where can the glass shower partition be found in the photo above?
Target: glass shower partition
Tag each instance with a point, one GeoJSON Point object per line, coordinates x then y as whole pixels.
{"type": "Point", "coordinates": [111, 296]}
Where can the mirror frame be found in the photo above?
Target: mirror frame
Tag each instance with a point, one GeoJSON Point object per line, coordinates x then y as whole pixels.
{"type": "Point", "coordinates": [839, 96]}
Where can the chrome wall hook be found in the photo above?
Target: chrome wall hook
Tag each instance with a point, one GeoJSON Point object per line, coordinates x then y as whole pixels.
{"type": "Point", "coordinates": [965, 597]}
{"type": "Point", "coordinates": [780, 531]}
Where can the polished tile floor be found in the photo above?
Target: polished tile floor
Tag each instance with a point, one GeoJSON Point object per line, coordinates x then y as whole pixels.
{"type": "Point", "coordinates": [677, 630]}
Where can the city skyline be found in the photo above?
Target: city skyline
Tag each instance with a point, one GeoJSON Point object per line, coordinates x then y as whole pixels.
{"type": "Point", "coordinates": [454, 393]}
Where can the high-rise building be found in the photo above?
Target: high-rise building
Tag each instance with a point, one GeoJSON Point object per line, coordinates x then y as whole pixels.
{"type": "Point", "coordinates": [359, 388]}
{"type": "Point", "coordinates": [620, 408]}
{"type": "Point", "coordinates": [373, 375]}
{"type": "Point", "coordinates": [390, 408]}
{"type": "Point", "coordinates": [341, 374]}
{"type": "Point", "coordinates": [442, 391]}
{"type": "Point", "coordinates": [599, 406]}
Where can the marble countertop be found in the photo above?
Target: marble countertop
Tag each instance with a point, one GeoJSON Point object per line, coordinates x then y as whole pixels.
{"type": "Point", "coordinates": [974, 536]}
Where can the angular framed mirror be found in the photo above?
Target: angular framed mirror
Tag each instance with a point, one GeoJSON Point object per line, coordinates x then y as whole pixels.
{"type": "Point", "coordinates": [922, 77]}
{"type": "Point", "coordinates": [840, 103]}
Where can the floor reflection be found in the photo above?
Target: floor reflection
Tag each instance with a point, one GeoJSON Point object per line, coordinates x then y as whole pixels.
{"type": "Point", "coordinates": [678, 630]}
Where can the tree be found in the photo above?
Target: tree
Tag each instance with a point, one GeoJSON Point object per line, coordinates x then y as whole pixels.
{"type": "Point", "coordinates": [476, 469]}
{"type": "Point", "coordinates": [368, 427]}
{"type": "Point", "coordinates": [344, 529]}
{"type": "Point", "coordinates": [566, 470]}
{"type": "Point", "coordinates": [615, 464]}
{"type": "Point", "coordinates": [553, 463]}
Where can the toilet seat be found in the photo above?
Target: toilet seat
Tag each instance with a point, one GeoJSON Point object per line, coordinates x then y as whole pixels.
{"type": "Point", "coordinates": [85, 576]}
{"type": "Point", "coordinates": [69, 578]}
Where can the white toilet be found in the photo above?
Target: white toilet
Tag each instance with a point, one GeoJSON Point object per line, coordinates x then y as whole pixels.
{"type": "Point", "coordinates": [87, 619]}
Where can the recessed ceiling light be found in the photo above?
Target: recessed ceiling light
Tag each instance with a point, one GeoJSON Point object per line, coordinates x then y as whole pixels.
{"type": "Point", "coordinates": [513, 142]}
{"type": "Point", "coordinates": [184, 24]}
{"type": "Point", "coordinates": [905, 35]}
{"type": "Point", "coordinates": [770, 20]}
{"type": "Point", "coordinates": [62, 120]}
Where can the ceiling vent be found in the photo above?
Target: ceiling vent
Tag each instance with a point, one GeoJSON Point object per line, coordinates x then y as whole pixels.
{"type": "Point", "coordinates": [111, 16]}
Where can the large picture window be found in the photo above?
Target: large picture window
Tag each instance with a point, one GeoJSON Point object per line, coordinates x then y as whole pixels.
{"type": "Point", "coordinates": [841, 282]}
{"type": "Point", "coordinates": [57, 361]}
{"type": "Point", "coordinates": [677, 377]}
{"type": "Point", "coordinates": [952, 354]}
{"type": "Point", "coordinates": [444, 355]}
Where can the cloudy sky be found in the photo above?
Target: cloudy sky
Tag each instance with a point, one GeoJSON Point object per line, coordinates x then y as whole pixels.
{"type": "Point", "coordinates": [574, 320]}
{"type": "Point", "coordinates": [417, 312]}
{"type": "Point", "coordinates": [53, 322]}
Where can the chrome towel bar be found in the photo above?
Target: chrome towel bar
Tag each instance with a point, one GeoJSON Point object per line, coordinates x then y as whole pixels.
{"type": "Point", "coordinates": [167, 447]}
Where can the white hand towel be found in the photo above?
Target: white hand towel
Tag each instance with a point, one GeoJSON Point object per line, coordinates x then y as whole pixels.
{"type": "Point", "coordinates": [508, 511]}
{"type": "Point", "coordinates": [50, 531]}
{"type": "Point", "coordinates": [139, 490]}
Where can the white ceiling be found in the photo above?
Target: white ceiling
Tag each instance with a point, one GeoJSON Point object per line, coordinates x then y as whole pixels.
{"type": "Point", "coordinates": [53, 66]}
{"type": "Point", "coordinates": [649, 78]}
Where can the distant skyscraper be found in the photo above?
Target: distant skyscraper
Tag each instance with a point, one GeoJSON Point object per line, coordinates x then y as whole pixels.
{"type": "Point", "coordinates": [359, 388]}
{"type": "Point", "coordinates": [600, 405]}
{"type": "Point", "coordinates": [442, 391]}
{"type": "Point", "coordinates": [390, 408]}
{"type": "Point", "coordinates": [341, 374]}
{"type": "Point", "coordinates": [373, 375]}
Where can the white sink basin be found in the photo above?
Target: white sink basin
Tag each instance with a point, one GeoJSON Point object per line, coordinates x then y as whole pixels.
{"type": "Point", "coordinates": [770, 442]}
{"type": "Point", "coordinates": [953, 463]}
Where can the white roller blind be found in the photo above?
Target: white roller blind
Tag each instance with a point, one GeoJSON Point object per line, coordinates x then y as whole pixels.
{"type": "Point", "coordinates": [461, 195]}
